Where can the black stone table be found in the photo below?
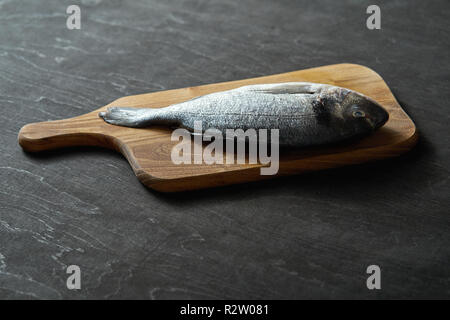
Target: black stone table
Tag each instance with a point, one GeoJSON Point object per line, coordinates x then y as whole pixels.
{"type": "Point", "coordinates": [309, 236]}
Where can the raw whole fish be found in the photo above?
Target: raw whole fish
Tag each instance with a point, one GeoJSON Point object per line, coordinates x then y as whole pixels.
{"type": "Point", "coordinates": [305, 113]}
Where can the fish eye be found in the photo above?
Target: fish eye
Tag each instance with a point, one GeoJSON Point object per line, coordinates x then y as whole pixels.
{"type": "Point", "coordinates": [359, 114]}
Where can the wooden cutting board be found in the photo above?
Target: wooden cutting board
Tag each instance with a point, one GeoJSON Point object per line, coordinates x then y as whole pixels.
{"type": "Point", "coordinates": [148, 150]}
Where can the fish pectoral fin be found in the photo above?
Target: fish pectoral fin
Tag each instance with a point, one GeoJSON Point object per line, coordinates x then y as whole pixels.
{"type": "Point", "coordinates": [287, 88]}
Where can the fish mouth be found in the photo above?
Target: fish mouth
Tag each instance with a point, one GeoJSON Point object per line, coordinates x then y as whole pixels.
{"type": "Point", "coordinates": [379, 117]}
{"type": "Point", "coordinates": [375, 115]}
{"type": "Point", "coordinates": [369, 111]}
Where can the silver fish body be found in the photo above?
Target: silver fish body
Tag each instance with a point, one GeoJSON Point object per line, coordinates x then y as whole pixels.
{"type": "Point", "coordinates": [305, 113]}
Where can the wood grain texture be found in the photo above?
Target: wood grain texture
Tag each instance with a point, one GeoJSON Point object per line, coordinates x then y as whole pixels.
{"type": "Point", "coordinates": [148, 150]}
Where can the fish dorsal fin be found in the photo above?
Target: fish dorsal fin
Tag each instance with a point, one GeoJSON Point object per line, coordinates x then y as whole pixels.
{"type": "Point", "coordinates": [286, 88]}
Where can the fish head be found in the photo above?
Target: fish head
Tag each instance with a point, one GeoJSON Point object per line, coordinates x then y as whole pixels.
{"type": "Point", "coordinates": [363, 111]}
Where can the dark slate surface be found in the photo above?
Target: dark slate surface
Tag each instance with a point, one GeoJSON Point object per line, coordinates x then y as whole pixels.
{"type": "Point", "coordinates": [308, 236]}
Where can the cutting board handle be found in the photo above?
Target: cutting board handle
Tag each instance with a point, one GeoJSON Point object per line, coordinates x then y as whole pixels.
{"type": "Point", "coordinates": [77, 131]}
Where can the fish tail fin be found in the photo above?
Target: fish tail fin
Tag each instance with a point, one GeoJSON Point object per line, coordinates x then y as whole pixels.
{"type": "Point", "coordinates": [128, 117]}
